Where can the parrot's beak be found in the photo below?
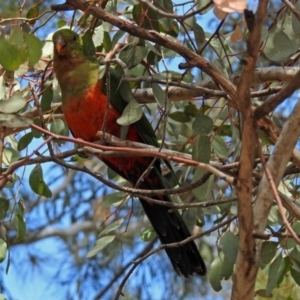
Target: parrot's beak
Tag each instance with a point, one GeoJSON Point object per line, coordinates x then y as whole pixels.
{"type": "Point", "coordinates": [60, 45]}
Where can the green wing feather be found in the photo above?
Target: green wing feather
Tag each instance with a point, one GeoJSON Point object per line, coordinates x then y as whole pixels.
{"type": "Point", "coordinates": [120, 96]}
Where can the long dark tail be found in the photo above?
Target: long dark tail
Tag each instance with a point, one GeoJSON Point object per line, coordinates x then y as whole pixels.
{"type": "Point", "coordinates": [171, 228]}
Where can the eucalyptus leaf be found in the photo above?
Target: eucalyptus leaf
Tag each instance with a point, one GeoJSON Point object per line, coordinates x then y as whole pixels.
{"type": "Point", "coordinates": [100, 245]}
{"type": "Point", "coordinates": [214, 274]}
{"type": "Point", "coordinates": [34, 48]}
{"type": "Point", "coordinates": [33, 12]}
{"type": "Point", "coordinates": [148, 235]}
{"type": "Point", "coordinates": [3, 250]}
{"type": "Point", "coordinates": [132, 55]}
{"type": "Point", "coordinates": [275, 271]}
{"type": "Point", "coordinates": [37, 183]}
{"type": "Point", "coordinates": [199, 35]}
{"type": "Point", "coordinates": [131, 114]}
{"type": "Point", "coordinates": [112, 227]}
{"type": "Point", "coordinates": [14, 121]}
{"type": "Point", "coordinates": [159, 94]}
{"type": "Point", "coordinates": [11, 56]}
{"type": "Point", "coordinates": [202, 125]}
{"type": "Point", "coordinates": [220, 148]}
{"type": "Point", "coordinates": [13, 104]}
{"type": "Point", "coordinates": [10, 155]}
{"type": "Point", "coordinates": [229, 243]}
{"type": "Point", "coordinates": [202, 192]}
{"type": "Point", "coordinates": [112, 199]}
{"type": "Point", "coordinates": [295, 21]}
{"type": "Point", "coordinates": [179, 116]}
{"type": "Point", "coordinates": [47, 98]}
{"type": "Point", "coordinates": [268, 251]}
{"type": "Point", "coordinates": [4, 207]}
{"type": "Point", "coordinates": [279, 46]}
{"type": "Point", "coordinates": [20, 226]}
{"type": "Point", "coordinates": [201, 149]}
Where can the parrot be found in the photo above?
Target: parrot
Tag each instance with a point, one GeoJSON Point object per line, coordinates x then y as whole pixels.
{"type": "Point", "coordinates": [86, 105]}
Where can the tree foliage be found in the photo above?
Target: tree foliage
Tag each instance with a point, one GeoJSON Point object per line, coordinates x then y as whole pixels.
{"type": "Point", "coordinates": [221, 95]}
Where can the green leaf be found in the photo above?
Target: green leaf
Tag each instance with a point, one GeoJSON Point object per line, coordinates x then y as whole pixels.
{"type": "Point", "coordinates": [61, 23]}
{"type": "Point", "coordinates": [295, 275]}
{"type": "Point", "coordinates": [295, 257]}
{"type": "Point", "coordinates": [20, 226]}
{"type": "Point", "coordinates": [4, 207]}
{"type": "Point", "coordinates": [100, 245]}
{"type": "Point", "coordinates": [214, 274]}
{"type": "Point", "coordinates": [47, 98]}
{"type": "Point", "coordinates": [58, 127]}
{"type": "Point", "coordinates": [10, 155]}
{"type": "Point", "coordinates": [13, 104]}
{"type": "Point", "coordinates": [131, 114]}
{"type": "Point", "coordinates": [191, 110]}
{"type": "Point", "coordinates": [229, 243]}
{"type": "Point", "coordinates": [98, 36]}
{"type": "Point", "coordinates": [116, 38]}
{"type": "Point", "coordinates": [107, 43]}
{"type": "Point", "coordinates": [279, 46]}
{"type": "Point", "coordinates": [168, 26]}
{"type": "Point", "coordinates": [37, 183]}
{"type": "Point", "coordinates": [14, 179]}
{"type": "Point", "coordinates": [2, 87]}
{"type": "Point", "coordinates": [275, 272]}
{"type": "Point", "coordinates": [133, 55]}
{"type": "Point", "coordinates": [148, 234]}
{"type": "Point", "coordinates": [179, 116]}
{"type": "Point", "coordinates": [16, 36]}
{"type": "Point", "coordinates": [88, 44]}
{"type": "Point", "coordinates": [24, 141]}
{"type": "Point", "coordinates": [220, 148]}
{"type": "Point", "coordinates": [111, 227]}
{"type": "Point", "coordinates": [227, 268]}
{"type": "Point", "coordinates": [10, 55]}
{"type": "Point", "coordinates": [199, 35]}
{"type": "Point", "coordinates": [295, 21]}
{"type": "Point", "coordinates": [268, 251]}
{"type": "Point", "coordinates": [145, 17]}
{"type": "Point", "coordinates": [33, 13]}
{"type": "Point", "coordinates": [201, 149]}
{"type": "Point", "coordinates": [113, 199]}
{"type": "Point", "coordinates": [34, 48]}
{"type": "Point", "coordinates": [202, 192]}
{"type": "Point", "coordinates": [159, 94]}
{"type": "Point", "coordinates": [14, 121]}
{"type": "Point", "coordinates": [35, 133]}
{"type": "Point", "coordinates": [202, 125]}
{"type": "Point", "coordinates": [21, 206]}
{"type": "Point", "coordinates": [3, 250]}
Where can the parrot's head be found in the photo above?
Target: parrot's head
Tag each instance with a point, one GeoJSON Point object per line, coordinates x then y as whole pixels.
{"type": "Point", "coordinates": [67, 44]}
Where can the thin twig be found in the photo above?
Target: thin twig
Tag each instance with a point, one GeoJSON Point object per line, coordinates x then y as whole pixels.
{"type": "Point", "coordinates": [173, 245]}
{"type": "Point", "coordinates": [292, 8]}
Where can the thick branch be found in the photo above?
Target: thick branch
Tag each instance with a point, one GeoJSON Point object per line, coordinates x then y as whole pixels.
{"type": "Point", "coordinates": [245, 274]}
{"type": "Point", "coordinates": [276, 164]}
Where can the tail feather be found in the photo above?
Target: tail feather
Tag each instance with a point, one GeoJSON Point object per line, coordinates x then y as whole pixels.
{"type": "Point", "coordinates": [171, 228]}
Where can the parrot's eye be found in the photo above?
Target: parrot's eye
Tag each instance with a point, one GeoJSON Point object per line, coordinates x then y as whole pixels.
{"type": "Point", "coordinates": [74, 38]}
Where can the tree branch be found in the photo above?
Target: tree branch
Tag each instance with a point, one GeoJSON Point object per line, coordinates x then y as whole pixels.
{"type": "Point", "coordinates": [245, 273]}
